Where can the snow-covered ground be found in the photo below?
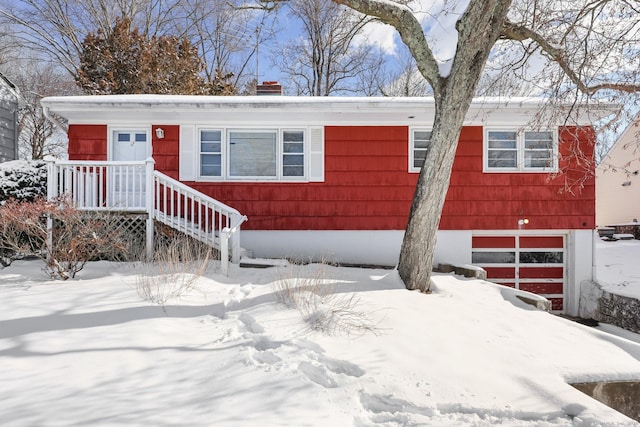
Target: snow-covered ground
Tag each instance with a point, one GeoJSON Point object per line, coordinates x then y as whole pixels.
{"type": "Point", "coordinates": [91, 351]}
{"type": "Point", "coordinates": [618, 269]}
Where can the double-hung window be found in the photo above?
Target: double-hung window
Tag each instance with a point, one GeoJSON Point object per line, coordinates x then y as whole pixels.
{"type": "Point", "coordinates": [419, 142]}
{"type": "Point", "coordinates": [522, 151]}
{"type": "Point", "coordinates": [253, 154]}
{"type": "Point", "coordinates": [292, 153]}
{"type": "Point", "coordinates": [211, 153]}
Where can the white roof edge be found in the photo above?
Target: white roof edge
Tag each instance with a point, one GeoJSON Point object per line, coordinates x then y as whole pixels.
{"type": "Point", "coordinates": [62, 104]}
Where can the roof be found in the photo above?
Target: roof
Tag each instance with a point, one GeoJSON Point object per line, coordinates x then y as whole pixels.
{"type": "Point", "coordinates": [168, 109]}
{"type": "Point", "coordinates": [625, 147]}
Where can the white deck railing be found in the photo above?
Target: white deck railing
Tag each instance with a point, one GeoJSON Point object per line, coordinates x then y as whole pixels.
{"type": "Point", "coordinates": [122, 186]}
{"type": "Point", "coordinates": [100, 185]}
{"type": "Point", "coordinates": [196, 214]}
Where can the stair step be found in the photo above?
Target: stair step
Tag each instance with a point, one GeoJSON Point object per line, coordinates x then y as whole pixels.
{"type": "Point", "coordinates": [262, 262]}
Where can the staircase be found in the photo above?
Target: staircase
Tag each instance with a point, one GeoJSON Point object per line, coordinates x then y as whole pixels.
{"type": "Point", "coordinates": [197, 215]}
{"type": "Point", "coordinates": [124, 187]}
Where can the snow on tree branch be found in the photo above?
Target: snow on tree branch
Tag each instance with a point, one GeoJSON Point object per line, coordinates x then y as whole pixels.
{"type": "Point", "coordinates": [410, 29]}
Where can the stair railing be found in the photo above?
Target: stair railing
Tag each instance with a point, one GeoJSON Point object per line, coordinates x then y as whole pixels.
{"type": "Point", "coordinates": [137, 187]}
{"type": "Point", "coordinates": [198, 215]}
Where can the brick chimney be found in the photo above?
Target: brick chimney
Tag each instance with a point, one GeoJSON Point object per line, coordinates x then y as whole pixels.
{"type": "Point", "coordinates": [269, 88]}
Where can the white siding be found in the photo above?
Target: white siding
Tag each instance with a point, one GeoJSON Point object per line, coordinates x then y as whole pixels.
{"type": "Point", "coordinates": [316, 154]}
{"type": "Point", "coordinates": [617, 203]}
{"type": "Point", "coordinates": [188, 153]}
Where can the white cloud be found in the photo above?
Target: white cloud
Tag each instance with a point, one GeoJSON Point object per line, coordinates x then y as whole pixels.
{"type": "Point", "coordinates": [381, 35]}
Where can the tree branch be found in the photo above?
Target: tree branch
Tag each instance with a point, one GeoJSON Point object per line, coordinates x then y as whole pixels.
{"type": "Point", "coordinates": [409, 28]}
{"type": "Point", "coordinates": [512, 31]}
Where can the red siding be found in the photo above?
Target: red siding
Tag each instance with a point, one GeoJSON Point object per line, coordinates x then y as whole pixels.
{"type": "Point", "coordinates": [367, 186]}
{"type": "Point", "coordinates": [494, 201]}
{"type": "Point", "coordinates": [165, 150]}
{"type": "Point", "coordinates": [87, 142]}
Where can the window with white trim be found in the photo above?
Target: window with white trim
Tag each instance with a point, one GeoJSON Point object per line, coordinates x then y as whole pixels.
{"type": "Point", "coordinates": [211, 153]}
{"type": "Point", "coordinates": [419, 142]}
{"type": "Point", "coordinates": [293, 153]}
{"type": "Point", "coordinates": [253, 154]}
{"type": "Point", "coordinates": [522, 151]}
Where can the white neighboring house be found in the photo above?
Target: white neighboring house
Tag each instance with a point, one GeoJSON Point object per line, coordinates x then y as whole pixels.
{"type": "Point", "coordinates": [618, 181]}
{"type": "Point", "coordinates": [8, 120]}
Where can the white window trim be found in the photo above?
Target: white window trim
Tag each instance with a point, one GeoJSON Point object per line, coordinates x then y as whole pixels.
{"type": "Point", "coordinates": [520, 151]}
{"type": "Point", "coordinates": [111, 129]}
{"type": "Point", "coordinates": [225, 173]}
{"type": "Point", "coordinates": [199, 152]}
{"type": "Point", "coordinates": [412, 131]}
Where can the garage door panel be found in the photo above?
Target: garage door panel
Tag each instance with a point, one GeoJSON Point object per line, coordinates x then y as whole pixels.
{"type": "Point", "coordinates": [557, 304]}
{"type": "Point", "coordinates": [543, 288]}
{"type": "Point", "coordinates": [541, 272]}
{"type": "Point", "coordinates": [493, 241]}
{"type": "Point", "coordinates": [500, 272]}
{"type": "Point", "coordinates": [541, 242]}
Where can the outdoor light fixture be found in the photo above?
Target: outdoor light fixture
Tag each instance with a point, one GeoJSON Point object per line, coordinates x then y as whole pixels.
{"type": "Point", "coordinates": [523, 221]}
{"type": "Point", "coordinates": [160, 133]}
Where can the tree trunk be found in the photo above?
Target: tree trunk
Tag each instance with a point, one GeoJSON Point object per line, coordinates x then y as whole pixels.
{"type": "Point", "coordinates": [418, 246]}
{"type": "Point", "coordinates": [478, 30]}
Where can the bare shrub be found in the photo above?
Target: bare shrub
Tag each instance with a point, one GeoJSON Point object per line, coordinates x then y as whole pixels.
{"type": "Point", "coordinates": [76, 238]}
{"type": "Point", "coordinates": [177, 265]}
{"type": "Point", "coordinates": [319, 305]}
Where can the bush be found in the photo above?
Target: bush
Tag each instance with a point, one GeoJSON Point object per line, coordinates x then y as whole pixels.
{"type": "Point", "coordinates": [320, 307]}
{"type": "Point", "coordinates": [77, 237]}
{"type": "Point", "coordinates": [23, 180]}
{"type": "Point", "coordinates": [177, 265]}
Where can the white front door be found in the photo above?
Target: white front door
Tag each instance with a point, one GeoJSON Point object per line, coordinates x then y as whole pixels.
{"type": "Point", "coordinates": [128, 182]}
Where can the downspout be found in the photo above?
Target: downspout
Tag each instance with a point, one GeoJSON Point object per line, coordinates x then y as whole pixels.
{"type": "Point", "coordinates": [594, 263]}
{"type": "Point", "coordinates": [16, 134]}
{"type": "Point", "coordinates": [56, 123]}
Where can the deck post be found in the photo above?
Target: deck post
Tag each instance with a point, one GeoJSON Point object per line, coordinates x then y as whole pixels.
{"type": "Point", "coordinates": [225, 233]}
{"type": "Point", "coordinates": [52, 185]}
{"type": "Point", "coordinates": [149, 205]}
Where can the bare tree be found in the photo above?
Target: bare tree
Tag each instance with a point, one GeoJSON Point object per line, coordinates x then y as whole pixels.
{"type": "Point", "coordinates": [563, 34]}
{"type": "Point", "coordinates": [37, 136]}
{"type": "Point", "coordinates": [55, 29]}
{"type": "Point", "coordinates": [9, 47]}
{"type": "Point", "coordinates": [407, 81]}
{"type": "Point", "coordinates": [329, 56]}
{"type": "Point", "coordinates": [227, 36]}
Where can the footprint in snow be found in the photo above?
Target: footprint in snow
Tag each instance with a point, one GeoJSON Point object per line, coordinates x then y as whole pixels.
{"type": "Point", "coordinates": [340, 366]}
{"type": "Point", "coordinates": [266, 359]}
{"type": "Point", "coordinates": [379, 404]}
{"type": "Point", "coordinates": [237, 294]}
{"type": "Point", "coordinates": [318, 374]}
{"type": "Point", "coordinates": [250, 323]}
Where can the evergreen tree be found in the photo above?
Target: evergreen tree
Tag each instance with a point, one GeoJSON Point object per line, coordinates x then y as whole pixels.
{"type": "Point", "coordinates": [125, 61]}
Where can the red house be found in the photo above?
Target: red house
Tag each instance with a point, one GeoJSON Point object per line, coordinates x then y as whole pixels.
{"type": "Point", "coordinates": [333, 178]}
